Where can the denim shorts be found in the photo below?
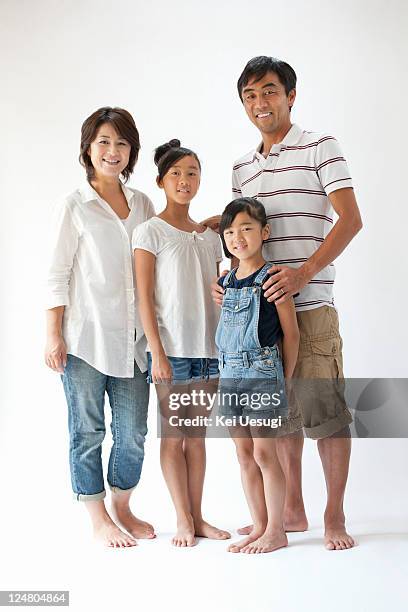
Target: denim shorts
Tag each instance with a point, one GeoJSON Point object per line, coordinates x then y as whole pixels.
{"type": "Point", "coordinates": [188, 369]}
{"type": "Point", "coordinates": [252, 384]}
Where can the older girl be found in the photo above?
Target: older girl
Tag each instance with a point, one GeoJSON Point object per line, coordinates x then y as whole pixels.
{"type": "Point", "coordinates": [175, 260]}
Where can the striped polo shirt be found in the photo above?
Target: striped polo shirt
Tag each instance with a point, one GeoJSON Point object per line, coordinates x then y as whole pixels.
{"type": "Point", "coordinates": [293, 183]}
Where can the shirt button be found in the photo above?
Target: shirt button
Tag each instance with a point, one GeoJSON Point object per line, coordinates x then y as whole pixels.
{"type": "Point", "coordinates": [236, 307]}
{"type": "Point", "coordinates": [254, 290]}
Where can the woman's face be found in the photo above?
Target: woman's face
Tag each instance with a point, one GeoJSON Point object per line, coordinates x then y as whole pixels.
{"type": "Point", "coordinates": [109, 152]}
{"type": "Point", "coordinates": [182, 180]}
{"type": "Point", "coordinates": [245, 236]}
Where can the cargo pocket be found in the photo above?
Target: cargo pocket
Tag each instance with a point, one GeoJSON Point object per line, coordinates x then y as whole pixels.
{"type": "Point", "coordinates": [327, 359]}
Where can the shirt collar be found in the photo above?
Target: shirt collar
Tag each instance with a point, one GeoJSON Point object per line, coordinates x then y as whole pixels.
{"type": "Point", "coordinates": [291, 138]}
{"type": "Point", "coordinates": [89, 194]}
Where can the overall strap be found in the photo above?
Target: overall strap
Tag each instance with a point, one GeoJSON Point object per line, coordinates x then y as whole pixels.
{"type": "Point", "coordinates": [262, 274]}
{"type": "Point", "coordinates": [227, 278]}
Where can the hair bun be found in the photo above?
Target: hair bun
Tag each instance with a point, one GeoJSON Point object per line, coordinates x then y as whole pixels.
{"type": "Point", "coordinates": [174, 143]}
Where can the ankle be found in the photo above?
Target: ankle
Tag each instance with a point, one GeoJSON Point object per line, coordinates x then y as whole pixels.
{"type": "Point", "coordinates": [274, 529]}
{"type": "Point", "coordinates": [334, 516]}
{"type": "Point", "coordinates": [184, 518]}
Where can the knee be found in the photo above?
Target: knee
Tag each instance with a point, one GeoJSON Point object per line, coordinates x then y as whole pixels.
{"type": "Point", "coordinates": [262, 458]}
{"type": "Point", "coordinates": [171, 445]}
{"type": "Point", "coordinates": [194, 443]}
{"type": "Point", "coordinates": [245, 457]}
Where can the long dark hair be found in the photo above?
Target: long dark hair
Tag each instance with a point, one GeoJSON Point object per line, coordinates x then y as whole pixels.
{"type": "Point", "coordinates": [166, 155]}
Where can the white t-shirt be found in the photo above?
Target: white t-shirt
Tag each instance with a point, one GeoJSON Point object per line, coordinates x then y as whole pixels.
{"type": "Point", "coordinates": [293, 183]}
{"type": "Point", "coordinates": [185, 267]}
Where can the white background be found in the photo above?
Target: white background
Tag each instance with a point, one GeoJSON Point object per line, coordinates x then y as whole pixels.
{"type": "Point", "coordinates": [174, 66]}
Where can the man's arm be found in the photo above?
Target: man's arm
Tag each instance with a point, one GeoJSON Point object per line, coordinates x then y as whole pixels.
{"type": "Point", "coordinates": [290, 280]}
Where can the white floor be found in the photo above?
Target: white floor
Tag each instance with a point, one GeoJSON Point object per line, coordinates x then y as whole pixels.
{"type": "Point", "coordinates": [155, 575]}
{"type": "Point", "coordinates": [46, 541]}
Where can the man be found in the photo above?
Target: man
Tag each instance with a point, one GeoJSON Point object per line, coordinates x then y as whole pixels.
{"type": "Point", "coordinates": [300, 177]}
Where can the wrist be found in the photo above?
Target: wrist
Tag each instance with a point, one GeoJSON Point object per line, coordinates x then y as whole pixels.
{"type": "Point", "coordinates": [158, 354]}
{"type": "Point", "coordinates": [54, 334]}
{"type": "Point", "coordinates": [307, 271]}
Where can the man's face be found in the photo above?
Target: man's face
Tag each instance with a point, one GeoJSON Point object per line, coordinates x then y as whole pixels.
{"type": "Point", "coordinates": [267, 104]}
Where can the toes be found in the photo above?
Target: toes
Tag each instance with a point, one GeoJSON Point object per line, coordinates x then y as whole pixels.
{"type": "Point", "coordinates": [232, 548]}
{"type": "Point", "coordinates": [330, 545]}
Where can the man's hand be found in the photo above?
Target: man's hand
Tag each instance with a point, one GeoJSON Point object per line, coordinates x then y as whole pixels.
{"type": "Point", "coordinates": [217, 292]}
{"type": "Point", "coordinates": [212, 222]}
{"type": "Point", "coordinates": [283, 283]}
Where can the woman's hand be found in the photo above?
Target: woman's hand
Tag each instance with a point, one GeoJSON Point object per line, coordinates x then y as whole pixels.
{"type": "Point", "coordinates": [161, 371]}
{"type": "Point", "coordinates": [55, 353]}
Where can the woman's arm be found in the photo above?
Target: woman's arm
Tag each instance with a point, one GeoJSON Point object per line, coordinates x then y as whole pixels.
{"type": "Point", "coordinates": [290, 342]}
{"type": "Point", "coordinates": [55, 350]}
{"type": "Point", "coordinates": [64, 239]}
{"type": "Point", "coordinates": [145, 279]}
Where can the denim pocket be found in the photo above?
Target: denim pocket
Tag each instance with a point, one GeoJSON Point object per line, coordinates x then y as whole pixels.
{"type": "Point", "coordinates": [235, 312]}
{"type": "Point", "coordinates": [266, 367]}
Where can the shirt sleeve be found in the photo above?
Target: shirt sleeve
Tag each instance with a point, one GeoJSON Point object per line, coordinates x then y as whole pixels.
{"type": "Point", "coordinates": [145, 237]}
{"type": "Point", "coordinates": [236, 185]}
{"type": "Point", "coordinates": [150, 212]}
{"type": "Point", "coordinates": [64, 238]}
{"type": "Point", "coordinates": [331, 166]}
{"type": "Point", "coordinates": [217, 248]}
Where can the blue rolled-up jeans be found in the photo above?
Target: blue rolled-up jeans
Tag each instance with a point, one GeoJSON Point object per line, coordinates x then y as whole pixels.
{"type": "Point", "coordinates": [85, 389]}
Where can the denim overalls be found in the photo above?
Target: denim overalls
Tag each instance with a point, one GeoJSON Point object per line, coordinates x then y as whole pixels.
{"type": "Point", "coordinates": [245, 366]}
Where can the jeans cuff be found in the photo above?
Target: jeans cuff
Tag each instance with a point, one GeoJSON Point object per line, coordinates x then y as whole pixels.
{"type": "Point", "coordinates": [93, 497]}
{"type": "Point", "coordinates": [119, 490]}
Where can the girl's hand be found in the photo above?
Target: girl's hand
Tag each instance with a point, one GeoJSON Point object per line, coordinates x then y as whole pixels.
{"type": "Point", "coordinates": [161, 369]}
{"type": "Point", "coordinates": [56, 353]}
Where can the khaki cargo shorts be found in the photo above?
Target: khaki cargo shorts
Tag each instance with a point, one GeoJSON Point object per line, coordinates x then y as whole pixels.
{"type": "Point", "coordinates": [317, 400]}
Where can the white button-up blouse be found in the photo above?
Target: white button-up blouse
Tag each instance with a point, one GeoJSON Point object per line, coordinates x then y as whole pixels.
{"type": "Point", "coordinates": [91, 274]}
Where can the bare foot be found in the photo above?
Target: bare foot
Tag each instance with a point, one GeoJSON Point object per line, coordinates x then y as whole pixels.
{"type": "Point", "coordinates": [136, 527]}
{"type": "Point", "coordinates": [268, 542]}
{"type": "Point", "coordinates": [245, 530]}
{"type": "Point", "coordinates": [185, 534]}
{"type": "Point", "coordinates": [205, 530]}
{"type": "Point", "coordinates": [337, 538]}
{"type": "Point", "coordinates": [109, 534]}
{"type": "Point", "coordinates": [254, 535]}
{"type": "Point", "coordinates": [293, 521]}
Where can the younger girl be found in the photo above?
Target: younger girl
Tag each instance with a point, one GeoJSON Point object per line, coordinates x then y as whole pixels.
{"type": "Point", "coordinates": [175, 261]}
{"type": "Point", "coordinates": [248, 334]}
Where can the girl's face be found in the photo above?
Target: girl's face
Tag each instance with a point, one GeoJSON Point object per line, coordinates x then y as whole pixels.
{"type": "Point", "coordinates": [245, 235]}
{"type": "Point", "coordinates": [181, 181]}
{"type": "Point", "coordinates": [109, 152]}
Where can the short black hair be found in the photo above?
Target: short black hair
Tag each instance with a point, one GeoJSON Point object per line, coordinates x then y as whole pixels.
{"type": "Point", "coordinates": [258, 66]}
{"type": "Point", "coordinates": [124, 124]}
{"type": "Point", "coordinates": [166, 155]}
{"type": "Point", "coordinates": [251, 206]}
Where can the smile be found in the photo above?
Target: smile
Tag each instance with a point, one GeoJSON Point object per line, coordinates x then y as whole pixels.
{"type": "Point", "coordinates": [111, 163]}
{"type": "Point", "coordinates": [239, 247]}
{"type": "Point", "coordinates": [183, 190]}
{"type": "Point", "coordinates": [263, 115]}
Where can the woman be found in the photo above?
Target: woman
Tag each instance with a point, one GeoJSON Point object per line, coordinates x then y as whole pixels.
{"type": "Point", "coordinates": [94, 338]}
